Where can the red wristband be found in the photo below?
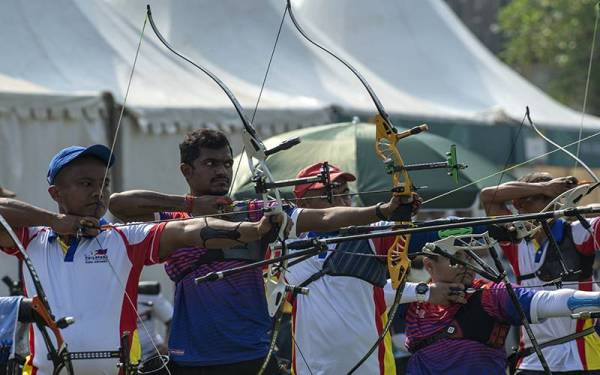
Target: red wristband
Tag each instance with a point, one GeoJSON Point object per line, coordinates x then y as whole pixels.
{"type": "Point", "coordinates": [189, 204]}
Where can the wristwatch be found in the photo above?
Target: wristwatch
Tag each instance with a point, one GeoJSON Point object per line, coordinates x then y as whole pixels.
{"type": "Point", "coordinates": [422, 292]}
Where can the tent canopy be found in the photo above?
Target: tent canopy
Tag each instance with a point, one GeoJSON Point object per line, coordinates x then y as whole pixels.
{"type": "Point", "coordinates": [423, 48]}
{"type": "Point", "coordinates": [417, 55]}
{"type": "Point", "coordinates": [86, 46]}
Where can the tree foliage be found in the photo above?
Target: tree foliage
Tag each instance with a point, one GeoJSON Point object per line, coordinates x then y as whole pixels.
{"type": "Point", "coordinates": [549, 42]}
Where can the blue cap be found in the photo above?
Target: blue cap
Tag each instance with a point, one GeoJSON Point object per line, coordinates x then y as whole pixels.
{"type": "Point", "coordinates": [67, 155]}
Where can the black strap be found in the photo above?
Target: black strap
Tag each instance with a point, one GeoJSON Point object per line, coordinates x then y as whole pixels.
{"type": "Point", "coordinates": [315, 276]}
{"type": "Point", "coordinates": [447, 332]}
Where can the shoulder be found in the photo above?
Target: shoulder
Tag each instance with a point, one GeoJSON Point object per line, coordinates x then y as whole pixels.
{"type": "Point", "coordinates": [135, 233]}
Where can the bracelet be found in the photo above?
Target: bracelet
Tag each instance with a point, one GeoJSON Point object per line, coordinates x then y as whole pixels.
{"type": "Point", "coordinates": [189, 204]}
{"type": "Point", "coordinates": [380, 214]}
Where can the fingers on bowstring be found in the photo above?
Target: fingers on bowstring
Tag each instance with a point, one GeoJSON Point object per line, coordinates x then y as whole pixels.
{"type": "Point", "coordinates": [89, 226]}
{"type": "Point", "coordinates": [571, 180]}
{"type": "Point", "coordinates": [223, 201]}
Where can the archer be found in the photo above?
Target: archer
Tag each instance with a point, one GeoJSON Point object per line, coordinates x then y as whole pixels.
{"type": "Point", "coordinates": [90, 270]}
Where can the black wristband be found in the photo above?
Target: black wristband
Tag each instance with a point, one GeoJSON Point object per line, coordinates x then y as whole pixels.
{"type": "Point", "coordinates": [380, 214]}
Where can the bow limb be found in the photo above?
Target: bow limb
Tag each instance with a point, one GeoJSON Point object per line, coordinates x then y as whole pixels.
{"type": "Point", "coordinates": [255, 150]}
{"type": "Point", "coordinates": [589, 170]}
{"type": "Point", "coordinates": [275, 286]}
{"type": "Point", "coordinates": [385, 146]}
{"type": "Point", "coordinates": [572, 197]}
{"type": "Point", "coordinates": [58, 354]}
{"type": "Point", "coordinates": [398, 262]}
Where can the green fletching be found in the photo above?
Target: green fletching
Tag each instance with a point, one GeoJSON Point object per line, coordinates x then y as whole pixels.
{"type": "Point", "coordinates": [454, 232]}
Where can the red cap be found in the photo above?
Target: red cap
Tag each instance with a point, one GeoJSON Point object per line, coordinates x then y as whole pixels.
{"type": "Point", "coordinates": [335, 173]}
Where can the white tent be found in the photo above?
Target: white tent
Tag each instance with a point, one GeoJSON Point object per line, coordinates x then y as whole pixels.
{"type": "Point", "coordinates": [420, 59]}
{"type": "Point", "coordinates": [423, 48]}
{"type": "Point", "coordinates": [66, 48]}
{"type": "Point", "coordinates": [34, 124]}
{"type": "Point", "coordinates": [71, 46]}
{"type": "Point", "coordinates": [238, 37]}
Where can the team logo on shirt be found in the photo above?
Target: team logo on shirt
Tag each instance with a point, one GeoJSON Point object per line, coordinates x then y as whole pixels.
{"type": "Point", "coordinates": [97, 256]}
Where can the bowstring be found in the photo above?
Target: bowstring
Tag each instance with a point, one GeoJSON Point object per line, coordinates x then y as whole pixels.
{"type": "Point", "coordinates": [587, 81]}
{"type": "Point", "coordinates": [103, 185]}
{"type": "Point", "coordinates": [293, 336]}
{"type": "Point", "coordinates": [283, 269]}
{"type": "Point", "coordinates": [262, 87]}
{"type": "Point", "coordinates": [509, 157]}
{"type": "Point", "coordinates": [477, 181]}
{"type": "Point", "coordinates": [579, 140]}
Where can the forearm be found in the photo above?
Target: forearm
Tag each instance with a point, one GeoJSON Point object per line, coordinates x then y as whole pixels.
{"type": "Point", "coordinates": [562, 303]}
{"type": "Point", "coordinates": [207, 233]}
{"type": "Point", "coordinates": [140, 204]}
{"type": "Point", "coordinates": [509, 191]}
{"type": "Point", "coordinates": [330, 219]}
{"type": "Point", "coordinates": [20, 214]}
{"type": "Point", "coordinates": [493, 198]}
{"type": "Point", "coordinates": [409, 294]}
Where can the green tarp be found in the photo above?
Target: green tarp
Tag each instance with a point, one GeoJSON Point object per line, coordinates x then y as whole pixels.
{"type": "Point", "coordinates": [351, 147]}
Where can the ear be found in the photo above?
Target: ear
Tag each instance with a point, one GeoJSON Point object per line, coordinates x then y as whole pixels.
{"type": "Point", "coordinates": [54, 193]}
{"type": "Point", "coordinates": [428, 265]}
{"type": "Point", "coordinates": [186, 170]}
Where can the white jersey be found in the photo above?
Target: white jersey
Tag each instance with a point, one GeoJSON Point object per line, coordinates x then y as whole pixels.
{"type": "Point", "coordinates": [152, 308]}
{"type": "Point", "coordinates": [527, 257]}
{"type": "Point", "coordinates": [89, 283]}
{"type": "Point", "coordinates": [338, 321]}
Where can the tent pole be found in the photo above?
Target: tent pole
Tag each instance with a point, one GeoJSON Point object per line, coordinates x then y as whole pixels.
{"type": "Point", "coordinates": [111, 123]}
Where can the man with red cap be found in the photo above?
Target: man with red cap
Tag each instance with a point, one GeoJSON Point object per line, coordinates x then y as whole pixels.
{"type": "Point", "coordinates": [343, 315]}
{"type": "Point", "coordinates": [338, 178]}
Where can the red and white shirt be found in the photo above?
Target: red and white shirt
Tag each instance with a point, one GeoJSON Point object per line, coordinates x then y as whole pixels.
{"type": "Point", "coordinates": [527, 257]}
{"type": "Point", "coordinates": [340, 319]}
{"type": "Point", "coordinates": [95, 282]}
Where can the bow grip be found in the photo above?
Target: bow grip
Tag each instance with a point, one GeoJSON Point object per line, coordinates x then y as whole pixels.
{"type": "Point", "coordinates": [271, 236]}
{"type": "Point", "coordinates": [285, 145]}
{"type": "Point", "coordinates": [402, 213]}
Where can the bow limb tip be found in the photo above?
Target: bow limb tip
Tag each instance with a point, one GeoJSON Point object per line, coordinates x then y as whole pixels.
{"type": "Point", "coordinates": [412, 131]}
{"type": "Point", "coordinates": [285, 145]}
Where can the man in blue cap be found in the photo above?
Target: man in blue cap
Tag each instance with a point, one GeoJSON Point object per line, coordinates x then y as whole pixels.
{"type": "Point", "coordinates": [90, 271]}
